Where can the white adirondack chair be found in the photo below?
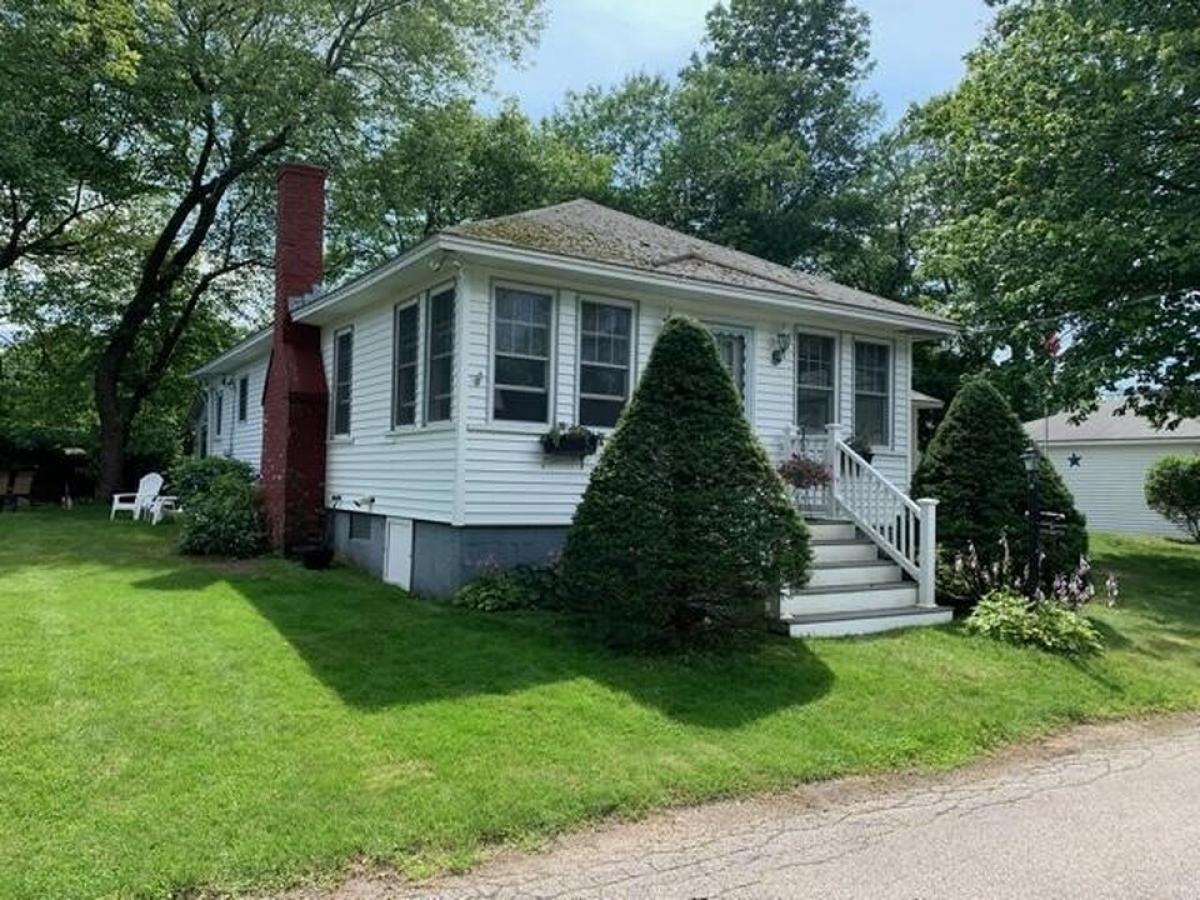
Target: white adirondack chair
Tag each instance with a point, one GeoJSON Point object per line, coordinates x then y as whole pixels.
{"type": "Point", "coordinates": [139, 502]}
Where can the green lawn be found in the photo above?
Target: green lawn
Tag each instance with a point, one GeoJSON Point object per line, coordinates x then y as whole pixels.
{"type": "Point", "coordinates": [166, 723]}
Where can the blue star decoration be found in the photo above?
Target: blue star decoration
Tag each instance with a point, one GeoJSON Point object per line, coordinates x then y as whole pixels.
{"type": "Point", "coordinates": [1074, 459]}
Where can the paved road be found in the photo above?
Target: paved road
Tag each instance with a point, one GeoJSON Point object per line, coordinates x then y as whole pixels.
{"type": "Point", "coordinates": [1104, 812]}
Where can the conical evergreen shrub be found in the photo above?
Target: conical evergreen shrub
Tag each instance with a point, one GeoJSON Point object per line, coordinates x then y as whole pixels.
{"type": "Point", "coordinates": [685, 532]}
{"type": "Point", "coordinates": [973, 467]}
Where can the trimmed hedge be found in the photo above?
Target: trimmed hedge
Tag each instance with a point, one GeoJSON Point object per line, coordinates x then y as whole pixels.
{"type": "Point", "coordinates": [973, 467]}
{"type": "Point", "coordinates": [196, 475]}
{"type": "Point", "coordinates": [685, 532]}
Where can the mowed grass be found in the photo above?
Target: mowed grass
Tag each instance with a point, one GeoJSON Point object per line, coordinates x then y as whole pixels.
{"type": "Point", "coordinates": [168, 724]}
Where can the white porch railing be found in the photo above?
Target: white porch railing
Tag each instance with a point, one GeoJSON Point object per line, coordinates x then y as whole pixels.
{"type": "Point", "coordinates": [904, 529]}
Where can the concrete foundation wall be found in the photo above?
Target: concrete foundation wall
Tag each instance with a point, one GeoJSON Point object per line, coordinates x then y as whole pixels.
{"type": "Point", "coordinates": [363, 552]}
{"type": "Point", "coordinates": [445, 557]}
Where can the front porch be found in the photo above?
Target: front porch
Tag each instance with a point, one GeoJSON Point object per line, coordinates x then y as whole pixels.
{"type": "Point", "coordinates": [873, 550]}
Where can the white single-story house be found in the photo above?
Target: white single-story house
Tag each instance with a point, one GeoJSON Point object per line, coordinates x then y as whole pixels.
{"type": "Point", "coordinates": [1104, 460]}
{"type": "Point", "coordinates": [400, 415]}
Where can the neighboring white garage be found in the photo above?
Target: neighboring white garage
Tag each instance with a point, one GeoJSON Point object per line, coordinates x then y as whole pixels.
{"type": "Point", "coordinates": [1104, 461]}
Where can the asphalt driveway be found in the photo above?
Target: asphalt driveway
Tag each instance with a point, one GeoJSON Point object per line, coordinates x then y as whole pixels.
{"type": "Point", "coordinates": [1100, 812]}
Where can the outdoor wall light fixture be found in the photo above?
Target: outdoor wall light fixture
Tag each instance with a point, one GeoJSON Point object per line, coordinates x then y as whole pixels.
{"type": "Point", "coordinates": [783, 341]}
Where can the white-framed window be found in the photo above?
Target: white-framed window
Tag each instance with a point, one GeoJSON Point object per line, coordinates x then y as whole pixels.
{"type": "Point", "coordinates": [439, 366]}
{"type": "Point", "coordinates": [605, 360]}
{"type": "Point", "coordinates": [522, 325]}
{"type": "Point", "coordinates": [243, 397]}
{"type": "Point", "coordinates": [219, 410]}
{"type": "Point", "coordinates": [343, 374]}
{"type": "Point", "coordinates": [873, 392]}
{"type": "Point", "coordinates": [816, 377]}
{"type": "Point", "coordinates": [406, 341]}
{"type": "Point", "coordinates": [733, 346]}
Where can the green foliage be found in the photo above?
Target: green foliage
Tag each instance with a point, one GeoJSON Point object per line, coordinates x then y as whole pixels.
{"type": "Point", "coordinates": [1173, 490]}
{"type": "Point", "coordinates": [761, 143]}
{"type": "Point", "coordinates": [1068, 177]}
{"type": "Point", "coordinates": [501, 590]}
{"type": "Point", "coordinates": [1007, 616]}
{"type": "Point", "coordinates": [685, 531]}
{"type": "Point", "coordinates": [195, 476]}
{"type": "Point", "coordinates": [973, 467]}
{"type": "Point", "coordinates": [224, 518]}
{"type": "Point", "coordinates": [447, 164]}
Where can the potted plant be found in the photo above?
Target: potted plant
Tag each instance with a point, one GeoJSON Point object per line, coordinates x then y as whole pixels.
{"type": "Point", "coordinates": [572, 440]}
{"type": "Point", "coordinates": [803, 472]}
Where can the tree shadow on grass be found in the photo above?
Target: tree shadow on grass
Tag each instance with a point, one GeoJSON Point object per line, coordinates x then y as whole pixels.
{"type": "Point", "coordinates": [378, 647]}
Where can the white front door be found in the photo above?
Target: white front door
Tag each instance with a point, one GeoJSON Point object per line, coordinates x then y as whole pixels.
{"type": "Point", "coordinates": [397, 564]}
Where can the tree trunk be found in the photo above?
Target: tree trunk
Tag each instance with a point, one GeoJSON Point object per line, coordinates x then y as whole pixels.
{"type": "Point", "coordinates": [112, 458]}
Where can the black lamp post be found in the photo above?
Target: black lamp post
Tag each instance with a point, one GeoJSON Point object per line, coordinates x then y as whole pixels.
{"type": "Point", "coordinates": [1031, 458]}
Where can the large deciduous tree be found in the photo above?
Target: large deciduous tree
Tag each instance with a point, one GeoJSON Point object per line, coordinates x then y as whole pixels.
{"type": "Point", "coordinates": [217, 93]}
{"type": "Point", "coordinates": [761, 142]}
{"type": "Point", "coordinates": [1068, 172]}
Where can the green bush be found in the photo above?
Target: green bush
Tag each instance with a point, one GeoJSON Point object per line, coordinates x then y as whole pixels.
{"type": "Point", "coordinates": [224, 518]}
{"type": "Point", "coordinates": [195, 476]}
{"type": "Point", "coordinates": [685, 531]}
{"type": "Point", "coordinates": [1173, 491]}
{"type": "Point", "coordinates": [973, 467]}
{"type": "Point", "coordinates": [1007, 616]}
{"type": "Point", "coordinates": [500, 590]}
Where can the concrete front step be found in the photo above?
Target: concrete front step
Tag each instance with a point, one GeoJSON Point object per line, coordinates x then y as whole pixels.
{"type": "Point", "coordinates": [869, 571]}
{"type": "Point", "coordinates": [836, 551]}
{"type": "Point", "coordinates": [852, 598]}
{"type": "Point", "coordinates": [831, 530]}
{"type": "Point", "coordinates": [843, 624]}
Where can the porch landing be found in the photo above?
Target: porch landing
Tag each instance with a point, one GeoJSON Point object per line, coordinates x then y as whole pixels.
{"type": "Point", "coordinates": [853, 590]}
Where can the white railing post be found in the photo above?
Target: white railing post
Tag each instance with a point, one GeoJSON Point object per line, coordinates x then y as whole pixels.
{"type": "Point", "coordinates": [927, 579]}
{"type": "Point", "coordinates": [833, 434]}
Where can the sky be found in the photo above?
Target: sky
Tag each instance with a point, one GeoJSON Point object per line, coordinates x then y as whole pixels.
{"type": "Point", "coordinates": [918, 47]}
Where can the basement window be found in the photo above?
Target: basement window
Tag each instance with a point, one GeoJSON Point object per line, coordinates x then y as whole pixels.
{"type": "Point", "coordinates": [343, 371]}
{"type": "Point", "coordinates": [360, 527]}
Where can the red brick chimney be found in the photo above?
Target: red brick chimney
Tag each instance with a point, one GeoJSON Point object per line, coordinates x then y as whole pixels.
{"type": "Point", "coordinates": [296, 399]}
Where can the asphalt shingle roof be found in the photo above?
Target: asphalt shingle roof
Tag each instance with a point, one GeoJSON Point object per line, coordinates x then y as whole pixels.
{"type": "Point", "coordinates": [1105, 425]}
{"type": "Point", "coordinates": [588, 230]}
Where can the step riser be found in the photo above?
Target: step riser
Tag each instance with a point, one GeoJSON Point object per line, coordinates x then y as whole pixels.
{"type": "Point", "coordinates": [867, 626]}
{"type": "Point", "coordinates": [848, 601]}
{"type": "Point", "coordinates": [841, 576]}
{"type": "Point", "coordinates": [829, 553]}
{"type": "Point", "coordinates": [832, 531]}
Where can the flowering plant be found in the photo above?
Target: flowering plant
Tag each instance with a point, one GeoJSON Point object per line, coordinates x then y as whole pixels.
{"type": "Point", "coordinates": [803, 472]}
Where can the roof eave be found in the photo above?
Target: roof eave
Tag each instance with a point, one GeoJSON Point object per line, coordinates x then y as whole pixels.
{"type": "Point", "coordinates": [920, 325]}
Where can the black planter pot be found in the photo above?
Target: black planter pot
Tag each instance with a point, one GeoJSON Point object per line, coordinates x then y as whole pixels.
{"type": "Point", "coordinates": [570, 445]}
{"type": "Point", "coordinates": [314, 556]}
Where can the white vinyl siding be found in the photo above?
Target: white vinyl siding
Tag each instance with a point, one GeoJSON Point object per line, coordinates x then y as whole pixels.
{"type": "Point", "coordinates": [1109, 482]}
{"type": "Point", "coordinates": [409, 472]}
{"type": "Point", "coordinates": [240, 436]}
